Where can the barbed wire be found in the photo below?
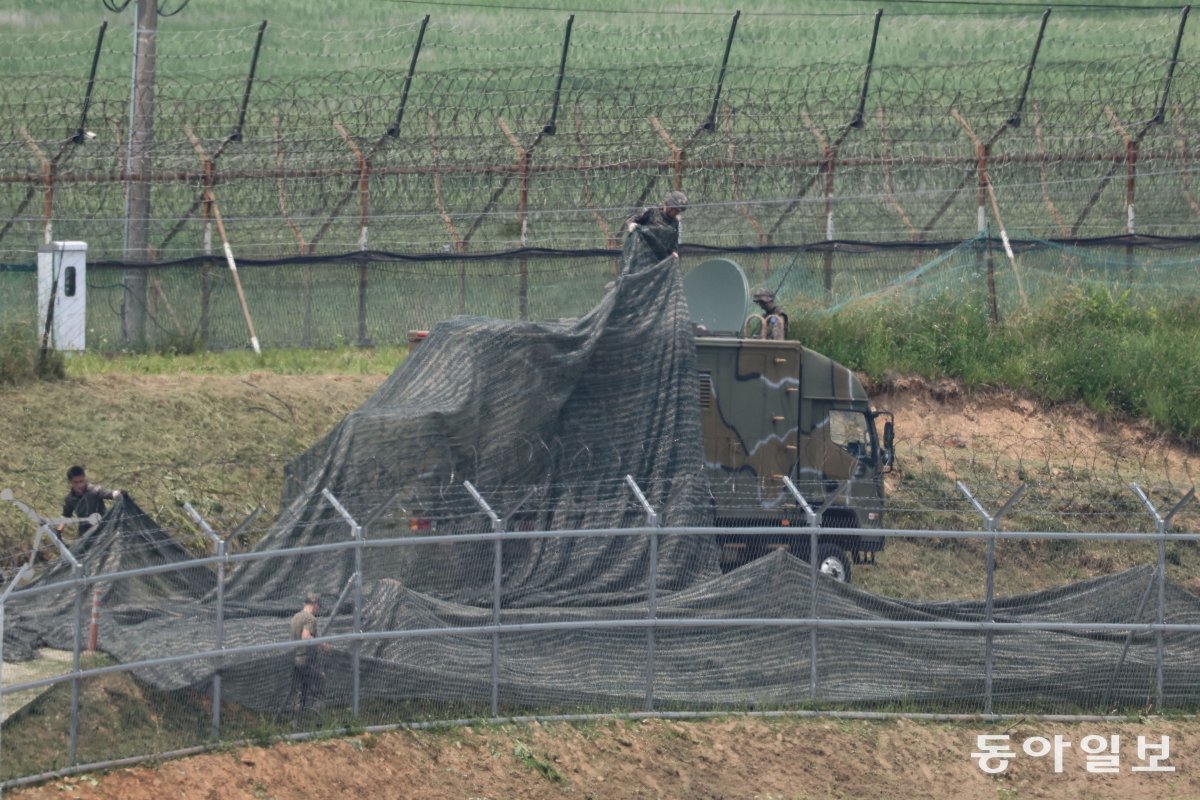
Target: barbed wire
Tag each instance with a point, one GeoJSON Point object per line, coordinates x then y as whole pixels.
{"type": "Point", "coordinates": [455, 174]}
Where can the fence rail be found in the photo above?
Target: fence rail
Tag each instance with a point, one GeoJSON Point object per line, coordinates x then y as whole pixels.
{"type": "Point", "coordinates": [775, 633]}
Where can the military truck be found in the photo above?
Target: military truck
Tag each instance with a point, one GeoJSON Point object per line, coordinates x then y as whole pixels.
{"type": "Point", "coordinates": [772, 410]}
{"type": "Point", "coordinates": [776, 413]}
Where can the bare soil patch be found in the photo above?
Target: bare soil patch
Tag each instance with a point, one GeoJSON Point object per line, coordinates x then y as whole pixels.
{"type": "Point", "coordinates": [962, 433]}
{"type": "Point", "coordinates": [725, 758]}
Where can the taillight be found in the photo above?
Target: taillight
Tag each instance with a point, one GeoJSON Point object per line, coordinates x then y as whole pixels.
{"type": "Point", "coordinates": [420, 524]}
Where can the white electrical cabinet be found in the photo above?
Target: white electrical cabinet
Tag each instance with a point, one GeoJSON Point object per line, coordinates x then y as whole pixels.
{"type": "Point", "coordinates": [62, 277]}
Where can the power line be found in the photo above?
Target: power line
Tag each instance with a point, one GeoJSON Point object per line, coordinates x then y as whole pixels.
{"type": "Point", "coordinates": [162, 3]}
{"type": "Point", "coordinates": [995, 8]}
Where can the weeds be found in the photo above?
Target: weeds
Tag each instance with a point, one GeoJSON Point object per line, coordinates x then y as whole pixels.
{"type": "Point", "coordinates": [533, 762]}
{"type": "Point", "coordinates": [344, 361]}
{"type": "Point", "coordinates": [1106, 349]}
{"type": "Point", "coordinates": [21, 357]}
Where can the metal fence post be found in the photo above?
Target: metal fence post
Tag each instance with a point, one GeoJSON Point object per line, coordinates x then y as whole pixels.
{"type": "Point", "coordinates": [814, 523]}
{"type": "Point", "coordinates": [1161, 524]}
{"type": "Point", "coordinates": [992, 524]}
{"type": "Point", "coordinates": [1137, 614]}
{"type": "Point", "coordinates": [220, 546]}
{"type": "Point", "coordinates": [497, 575]}
{"type": "Point", "coordinates": [356, 645]}
{"type": "Point", "coordinates": [16, 581]}
{"type": "Point", "coordinates": [77, 577]}
{"type": "Point", "coordinates": [653, 522]}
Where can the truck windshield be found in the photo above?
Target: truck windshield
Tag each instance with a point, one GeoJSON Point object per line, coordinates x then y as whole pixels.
{"type": "Point", "coordinates": [851, 430]}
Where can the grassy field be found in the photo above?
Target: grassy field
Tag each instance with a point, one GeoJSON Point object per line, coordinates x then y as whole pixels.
{"type": "Point", "coordinates": [216, 429]}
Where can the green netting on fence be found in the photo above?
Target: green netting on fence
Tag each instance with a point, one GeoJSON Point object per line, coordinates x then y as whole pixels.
{"type": "Point", "coordinates": [379, 298]}
{"type": "Point", "coordinates": [1038, 272]}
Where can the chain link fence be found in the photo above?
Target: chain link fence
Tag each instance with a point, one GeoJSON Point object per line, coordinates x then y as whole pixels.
{"type": "Point", "coordinates": [163, 652]}
{"type": "Point", "coordinates": [376, 298]}
{"type": "Point", "coordinates": [431, 137]}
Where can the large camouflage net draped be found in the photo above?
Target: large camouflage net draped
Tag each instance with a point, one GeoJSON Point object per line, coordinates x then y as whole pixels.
{"type": "Point", "coordinates": [541, 418]}
{"type": "Point", "coordinates": [545, 419]}
{"type": "Point", "coordinates": [694, 667]}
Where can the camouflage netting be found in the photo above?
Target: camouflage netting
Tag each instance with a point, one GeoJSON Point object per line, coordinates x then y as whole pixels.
{"type": "Point", "coordinates": [702, 667]}
{"type": "Point", "coordinates": [545, 419]}
{"type": "Point", "coordinates": [551, 414]}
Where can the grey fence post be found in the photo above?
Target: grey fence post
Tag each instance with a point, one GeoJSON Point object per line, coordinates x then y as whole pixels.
{"type": "Point", "coordinates": [12, 584]}
{"type": "Point", "coordinates": [1137, 614]}
{"type": "Point", "coordinates": [219, 544]}
{"type": "Point", "coordinates": [356, 645]}
{"type": "Point", "coordinates": [44, 529]}
{"type": "Point", "coordinates": [992, 524]}
{"type": "Point", "coordinates": [1161, 524]}
{"type": "Point", "coordinates": [814, 523]}
{"type": "Point", "coordinates": [77, 577]}
{"type": "Point", "coordinates": [653, 522]}
{"type": "Point", "coordinates": [497, 575]}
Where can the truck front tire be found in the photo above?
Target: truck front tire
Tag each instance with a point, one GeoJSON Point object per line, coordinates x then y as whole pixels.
{"type": "Point", "coordinates": [833, 561]}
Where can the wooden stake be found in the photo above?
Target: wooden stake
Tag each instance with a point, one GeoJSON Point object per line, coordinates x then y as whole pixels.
{"type": "Point", "coordinates": [237, 283]}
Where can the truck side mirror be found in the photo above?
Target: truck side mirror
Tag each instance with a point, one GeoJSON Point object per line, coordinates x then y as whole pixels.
{"type": "Point", "coordinates": [889, 444]}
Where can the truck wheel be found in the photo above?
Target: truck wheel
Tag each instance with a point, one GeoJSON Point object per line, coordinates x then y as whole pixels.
{"type": "Point", "coordinates": [832, 561]}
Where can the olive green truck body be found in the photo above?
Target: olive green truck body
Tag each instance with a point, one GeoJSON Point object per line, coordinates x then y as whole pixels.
{"type": "Point", "coordinates": [773, 410]}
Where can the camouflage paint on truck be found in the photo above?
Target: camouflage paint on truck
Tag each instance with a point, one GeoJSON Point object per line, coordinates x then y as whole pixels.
{"type": "Point", "coordinates": [772, 409]}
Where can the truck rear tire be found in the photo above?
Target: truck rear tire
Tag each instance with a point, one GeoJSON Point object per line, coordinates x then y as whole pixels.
{"type": "Point", "coordinates": [833, 561]}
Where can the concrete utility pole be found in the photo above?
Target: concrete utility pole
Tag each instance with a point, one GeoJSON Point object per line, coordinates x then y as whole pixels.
{"type": "Point", "coordinates": [140, 165]}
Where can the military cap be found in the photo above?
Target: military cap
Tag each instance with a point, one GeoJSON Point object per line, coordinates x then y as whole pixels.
{"type": "Point", "coordinates": [762, 294]}
{"type": "Point", "coordinates": [676, 199]}
{"type": "Point", "coordinates": [312, 598]}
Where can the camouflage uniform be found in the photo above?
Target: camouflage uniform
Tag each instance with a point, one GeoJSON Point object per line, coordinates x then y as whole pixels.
{"type": "Point", "coordinates": [775, 322]}
{"type": "Point", "coordinates": [86, 504]}
{"type": "Point", "coordinates": [654, 216]}
{"type": "Point", "coordinates": [662, 234]}
{"type": "Point", "coordinates": [307, 679]}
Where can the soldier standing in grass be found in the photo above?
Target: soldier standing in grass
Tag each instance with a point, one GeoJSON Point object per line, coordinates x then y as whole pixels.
{"type": "Point", "coordinates": [308, 682]}
{"type": "Point", "coordinates": [84, 499]}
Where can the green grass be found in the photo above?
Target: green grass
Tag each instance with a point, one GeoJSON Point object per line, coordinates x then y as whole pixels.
{"type": "Point", "coordinates": [217, 437]}
{"type": "Point", "coordinates": [22, 359]}
{"type": "Point", "coordinates": [1117, 355]}
{"type": "Point", "coordinates": [342, 361]}
{"type": "Point", "coordinates": [117, 718]}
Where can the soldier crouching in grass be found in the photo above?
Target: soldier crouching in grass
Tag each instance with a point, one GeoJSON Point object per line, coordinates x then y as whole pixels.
{"type": "Point", "coordinates": [308, 682]}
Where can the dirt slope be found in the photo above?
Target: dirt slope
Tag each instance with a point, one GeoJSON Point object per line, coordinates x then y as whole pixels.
{"type": "Point", "coordinates": [735, 758]}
